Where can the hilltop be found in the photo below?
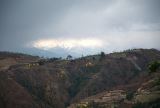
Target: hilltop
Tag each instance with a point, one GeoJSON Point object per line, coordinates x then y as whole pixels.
{"type": "Point", "coordinates": [119, 79]}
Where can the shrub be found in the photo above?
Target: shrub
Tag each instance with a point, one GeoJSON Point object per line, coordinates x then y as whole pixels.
{"type": "Point", "coordinates": [153, 104]}
{"type": "Point", "coordinates": [154, 66]}
{"type": "Point", "coordinates": [129, 95]}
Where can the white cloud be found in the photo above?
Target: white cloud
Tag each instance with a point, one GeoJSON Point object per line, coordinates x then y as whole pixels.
{"type": "Point", "coordinates": [113, 41]}
{"type": "Point", "coordinates": [81, 25]}
{"type": "Point", "coordinates": [47, 44]}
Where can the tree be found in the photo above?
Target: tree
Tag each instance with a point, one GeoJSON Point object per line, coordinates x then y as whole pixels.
{"type": "Point", "coordinates": [69, 57]}
{"type": "Point", "coordinates": [93, 58]}
{"type": "Point", "coordinates": [102, 56]}
{"type": "Point", "coordinates": [41, 62]}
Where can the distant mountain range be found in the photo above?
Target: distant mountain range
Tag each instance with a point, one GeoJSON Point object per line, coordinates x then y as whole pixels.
{"type": "Point", "coordinates": [115, 80]}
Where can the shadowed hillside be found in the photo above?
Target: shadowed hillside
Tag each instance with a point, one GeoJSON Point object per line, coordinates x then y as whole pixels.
{"type": "Point", "coordinates": [29, 81]}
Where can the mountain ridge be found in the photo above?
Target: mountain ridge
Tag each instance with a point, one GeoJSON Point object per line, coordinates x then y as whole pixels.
{"type": "Point", "coordinates": [57, 83]}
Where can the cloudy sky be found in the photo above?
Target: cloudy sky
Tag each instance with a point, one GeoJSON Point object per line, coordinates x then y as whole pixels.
{"type": "Point", "coordinates": [76, 27]}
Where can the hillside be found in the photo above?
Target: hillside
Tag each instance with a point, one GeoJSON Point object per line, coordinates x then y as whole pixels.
{"type": "Point", "coordinates": [30, 82]}
{"type": "Point", "coordinates": [147, 95]}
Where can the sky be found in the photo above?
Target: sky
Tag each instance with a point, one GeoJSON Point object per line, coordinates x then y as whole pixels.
{"type": "Point", "coordinates": [54, 28]}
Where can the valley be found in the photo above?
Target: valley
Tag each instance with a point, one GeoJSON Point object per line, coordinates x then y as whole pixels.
{"type": "Point", "coordinates": [115, 80]}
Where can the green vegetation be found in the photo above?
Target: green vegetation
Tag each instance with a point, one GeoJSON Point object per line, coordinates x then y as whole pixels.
{"type": "Point", "coordinates": [53, 59]}
{"type": "Point", "coordinates": [147, 97]}
{"type": "Point", "coordinates": [102, 56]}
{"type": "Point", "coordinates": [129, 95]}
{"type": "Point", "coordinates": [157, 82]}
{"type": "Point", "coordinates": [153, 104]}
{"type": "Point", "coordinates": [69, 57]}
{"type": "Point", "coordinates": [41, 62]}
{"type": "Point", "coordinates": [154, 66]}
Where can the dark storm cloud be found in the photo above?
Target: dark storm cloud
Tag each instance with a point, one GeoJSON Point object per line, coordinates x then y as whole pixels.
{"type": "Point", "coordinates": [24, 20]}
{"type": "Point", "coordinates": [117, 22]}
